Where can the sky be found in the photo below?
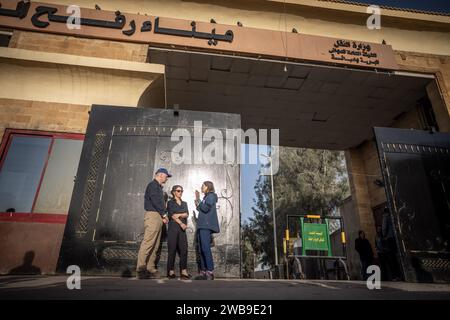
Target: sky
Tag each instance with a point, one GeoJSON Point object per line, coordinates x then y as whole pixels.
{"type": "Point", "coordinates": [429, 5]}
{"type": "Point", "coordinates": [249, 176]}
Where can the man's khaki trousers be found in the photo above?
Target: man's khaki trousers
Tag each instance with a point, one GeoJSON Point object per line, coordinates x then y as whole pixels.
{"type": "Point", "coordinates": [149, 246]}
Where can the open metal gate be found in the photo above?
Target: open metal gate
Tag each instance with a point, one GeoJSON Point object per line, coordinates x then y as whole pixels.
{"type": "Point", "coordinates": [416, 170]}
{"type": "Point", "coordinates": [122, 150]}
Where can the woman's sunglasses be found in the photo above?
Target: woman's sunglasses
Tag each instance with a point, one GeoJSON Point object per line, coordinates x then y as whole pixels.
{"type": "Point", "coordinates": [180, 191]}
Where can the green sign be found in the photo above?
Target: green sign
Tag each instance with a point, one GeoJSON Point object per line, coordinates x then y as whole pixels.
{"type": "Point", "coordinates": [315, 237]}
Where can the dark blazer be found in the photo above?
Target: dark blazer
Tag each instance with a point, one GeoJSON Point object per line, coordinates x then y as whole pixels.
{"type": "Point", "coordinates": [207, 213]}
{"type": "Point", "coordinates": [154, 198]}
{"type": "Point", "coordinates": [364, 249]}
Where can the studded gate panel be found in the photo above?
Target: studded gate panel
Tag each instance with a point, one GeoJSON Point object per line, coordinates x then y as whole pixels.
{"type": "Point", "coordinates": [122, 150]}
{"type": "Point", "coordinates": [416, 170]}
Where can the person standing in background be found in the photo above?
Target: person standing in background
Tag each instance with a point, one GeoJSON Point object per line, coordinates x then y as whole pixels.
{"type": "Point", "coordinates": [363, 247]}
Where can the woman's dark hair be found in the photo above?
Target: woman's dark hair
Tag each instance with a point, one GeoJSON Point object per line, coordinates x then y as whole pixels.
{"type": "Point", "coordinates": [175, 187]}
{"type": "Point", "coordinates": [361, 232]}
{"type": "Point", "coordinates": [209, 186]}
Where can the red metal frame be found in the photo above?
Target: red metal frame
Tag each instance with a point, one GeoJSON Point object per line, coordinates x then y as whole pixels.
{"type": "Point", "coordinates": [33, 217]}
{"type": "Point", "coordinates": [4, 147]}
{"type": "Point", "coordinates": [50, 147]}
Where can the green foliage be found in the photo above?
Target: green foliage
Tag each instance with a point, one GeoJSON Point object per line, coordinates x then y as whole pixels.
{"type": "Point", "coordinates": [248, 254]}
{"type": "Point", "coordinates": [308, 181]}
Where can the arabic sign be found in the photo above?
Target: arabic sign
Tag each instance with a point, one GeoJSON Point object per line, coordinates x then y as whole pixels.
{"type": "Point", "coordinates": [169, 32]}
{"type": "Point", "coordinates": [315, 236]}
{"type": "Point", "coordinates": [43, 15]}
{"type": "Point", "coordinates": [353, 52]}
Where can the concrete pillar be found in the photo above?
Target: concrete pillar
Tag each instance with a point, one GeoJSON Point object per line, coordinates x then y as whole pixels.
{"type": "Point", "coordinates": [360, 196]}
{"type": "Point", "coordinates": [440, 109]}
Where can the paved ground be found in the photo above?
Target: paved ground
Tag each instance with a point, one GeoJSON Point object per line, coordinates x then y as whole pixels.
{"type": "Point", "coordinates": [54, 287]}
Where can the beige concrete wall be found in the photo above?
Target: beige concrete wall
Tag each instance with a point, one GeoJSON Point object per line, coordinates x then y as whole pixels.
{"type": "Point", "coordinates": [67, 78]}
{"type": "Point", "coordinates": [45, 116]}
{"type": "Point", "coordinates": [49, 82]}
{"type": "Point", "coordinates": [43, 42]}
{"type": "Point", "coordinates": [359, 188]}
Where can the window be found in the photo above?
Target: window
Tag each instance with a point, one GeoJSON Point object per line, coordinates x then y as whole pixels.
{"type": "Point", "coordinates": [5, 37]}
{"type": "Point", "coordinates": [37, 171]}
{"type": "Point", "coordinates": [21, 172]}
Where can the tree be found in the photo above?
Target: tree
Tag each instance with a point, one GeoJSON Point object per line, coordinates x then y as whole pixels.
{"type": "Point", "coordinates": [248, 254]}
{"type": "Point", "coordinates": [308, 181]}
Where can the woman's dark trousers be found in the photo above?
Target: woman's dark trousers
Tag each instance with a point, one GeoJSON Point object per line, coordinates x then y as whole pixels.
{"type": "Point", "coordinates": [206, 259]}
{"type": "Point", "coordinates": [176, 242]}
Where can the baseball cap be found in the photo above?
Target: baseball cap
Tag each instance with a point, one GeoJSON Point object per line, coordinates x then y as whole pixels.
{"type": "Point", "coordinates": [163, 170]}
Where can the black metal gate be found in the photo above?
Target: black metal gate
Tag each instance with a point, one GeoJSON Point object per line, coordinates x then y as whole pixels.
{"type": "Point", "coordinates": [122, 150]}
{"type": "Point", "coordinates": [416, 169]}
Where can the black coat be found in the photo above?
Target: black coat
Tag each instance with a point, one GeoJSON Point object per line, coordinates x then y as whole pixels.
{"type": "Point", "coordinates": [364, 249]}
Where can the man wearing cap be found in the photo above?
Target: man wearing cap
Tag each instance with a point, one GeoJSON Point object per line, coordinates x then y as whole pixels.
{"type": "Point", "coordinates": [154, 218]}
